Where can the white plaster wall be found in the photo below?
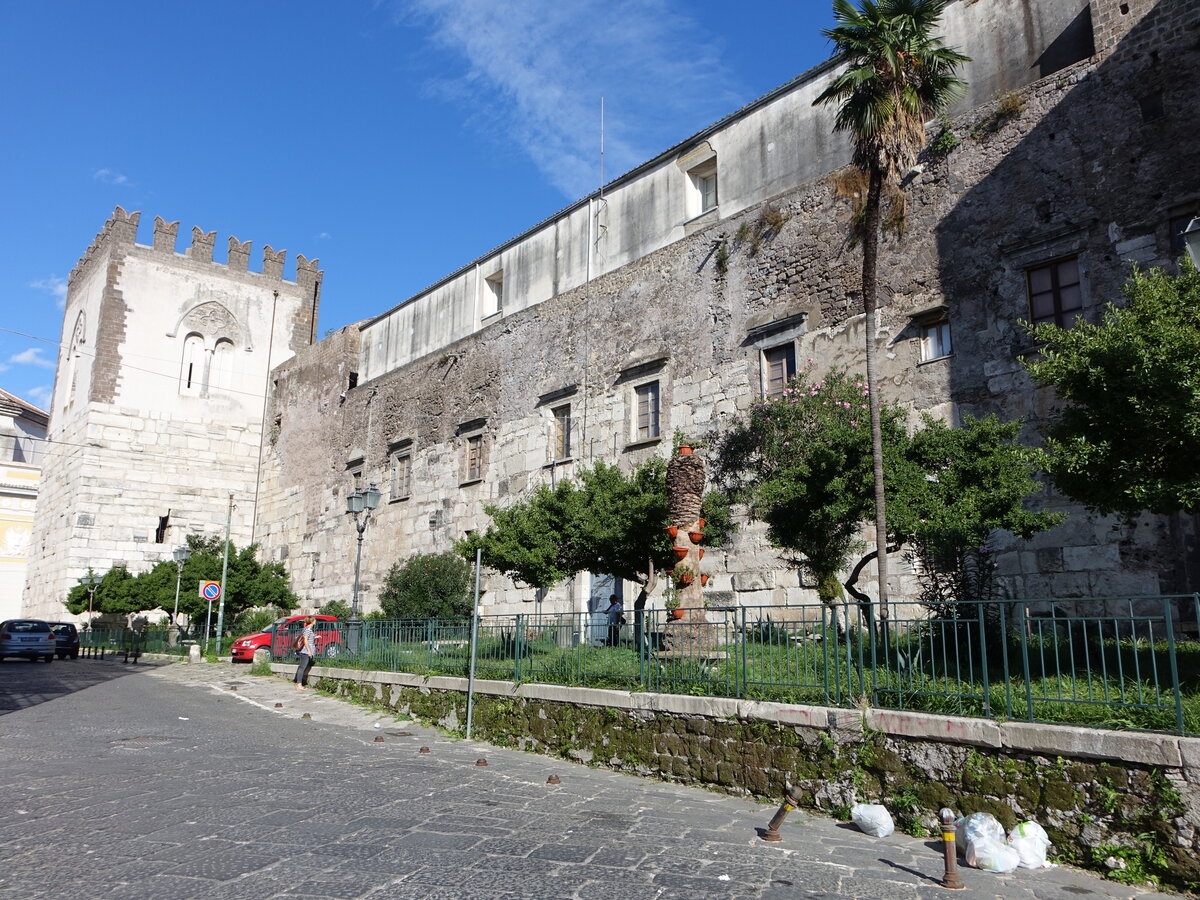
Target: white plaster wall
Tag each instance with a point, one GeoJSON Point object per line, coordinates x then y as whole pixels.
{"type": "Point", "coordinates": [159, 293]}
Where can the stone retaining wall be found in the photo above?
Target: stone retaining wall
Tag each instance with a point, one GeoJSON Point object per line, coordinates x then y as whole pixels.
{"type": "Point", "coordinates": [1099, 793]}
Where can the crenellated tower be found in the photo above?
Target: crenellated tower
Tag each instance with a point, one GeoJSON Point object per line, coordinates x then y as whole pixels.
{"type": "Point", "coordinates": [157, 414]}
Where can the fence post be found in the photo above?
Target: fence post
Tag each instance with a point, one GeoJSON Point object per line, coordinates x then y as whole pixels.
{"type": "Point", "coordinates": [1174, 665]}
{"type": "Point", "coordinates": [741, 691]}
{"type": "Point", "coordinates": [518, 647]}
{"type": "Point", "coordinates": [1023, 624]}
{"type": "Point", "coordinates": [983, 661]}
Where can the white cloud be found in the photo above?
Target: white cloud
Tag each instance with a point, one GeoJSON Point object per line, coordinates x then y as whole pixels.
{"type": "Point", "coordinates": [538, 68]}
{"type": "Point", "coordinates": [110, 176]}
{"type": "Point", "coordinates": [55, 285]}
{"type": "Point", "coordinates": [40, 395]}
{"type": "Point", "coordinates": [32, 357]}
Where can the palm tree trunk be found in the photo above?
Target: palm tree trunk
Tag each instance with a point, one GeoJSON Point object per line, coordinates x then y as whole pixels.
{"type": "Point", "coordinates": [872, 215]}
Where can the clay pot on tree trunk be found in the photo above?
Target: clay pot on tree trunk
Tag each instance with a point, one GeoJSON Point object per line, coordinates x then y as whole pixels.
{"type": "Point", "coordinates": [676, 613]}
{"type": "Point", "coordinates": [685, 450]}
{"type": "Point", "coordinates": [696, 536]}
{"type": "Point", "coordinates": [680, 552]}
{"type": "Point", "coordinates": [703, 580]}
{"type": "Point", "coordinates": [699, 523]}
{"type": "Point", "coordinates": [672, 531]}
{"type": "Point", "coordinates": [686, 578]}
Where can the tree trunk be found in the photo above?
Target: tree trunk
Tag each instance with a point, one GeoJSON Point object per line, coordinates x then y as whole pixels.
{"type": "Point", "coordinates": [871, 220]}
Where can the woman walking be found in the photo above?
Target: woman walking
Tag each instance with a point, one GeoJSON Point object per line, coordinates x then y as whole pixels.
{"type": "Point", "coordinates": [305, 646]}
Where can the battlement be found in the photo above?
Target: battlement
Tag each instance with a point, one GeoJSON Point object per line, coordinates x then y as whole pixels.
{"type": "Point", "coordinates": [121, 231]}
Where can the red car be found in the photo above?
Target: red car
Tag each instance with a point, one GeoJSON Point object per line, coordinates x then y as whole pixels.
{"type": "Point", "coordinates": [284, 632]}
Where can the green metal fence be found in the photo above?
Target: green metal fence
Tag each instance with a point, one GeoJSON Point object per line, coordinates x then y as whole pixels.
{"type": "Point", "coordinates": [94, 642]}
{"type": "Point", "coordinates": [1128, 662]}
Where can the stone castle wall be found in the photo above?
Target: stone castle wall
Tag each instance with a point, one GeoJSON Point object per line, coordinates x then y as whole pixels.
{"type": "Point", "coordinates": [1073, 164]}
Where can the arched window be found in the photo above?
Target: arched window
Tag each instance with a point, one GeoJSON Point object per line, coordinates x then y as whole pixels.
{"type": "Point", "coordinates": [191, 372]}
{"type": "Point", "coordinates": [221, 377]}
{"type": "Point", "coordinates": [74, 350]}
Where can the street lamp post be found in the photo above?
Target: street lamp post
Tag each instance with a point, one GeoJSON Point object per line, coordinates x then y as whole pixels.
{"type": "Point", "coordinates": [90, 583]}
{"type": "Point", "coordinates": [181, 555]}
{"type": "Point", "coordinates": [360, 501]}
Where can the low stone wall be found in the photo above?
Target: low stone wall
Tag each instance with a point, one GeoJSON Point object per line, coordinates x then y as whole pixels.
{"type": "Point", "coordinates": [1130, 796]}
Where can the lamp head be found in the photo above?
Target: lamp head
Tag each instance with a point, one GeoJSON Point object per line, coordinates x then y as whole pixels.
{"type": "Point", "coordinates": [1191, 240]}
{"type": "Point", "coordinates": [371, 496]}
{"type": "Point", "coordinates": [181, 554]}
{"type": "Point", "coordinates": [354, 502]}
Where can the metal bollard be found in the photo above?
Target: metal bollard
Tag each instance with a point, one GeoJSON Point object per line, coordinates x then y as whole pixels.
{"type": "Point", "coordinates": [951, 879]}
{"type": "Point", "coordinates": [790, 802]}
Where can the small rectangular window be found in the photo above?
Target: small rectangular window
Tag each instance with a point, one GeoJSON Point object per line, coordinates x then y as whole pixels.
{"type": "Point", "coordinates": [492, 301]}
{"type": "Point", "coordinates": [562, 431]}
{"type": "Point", "coordinates": [401, 475]}
{"type": "Point", "coordinates": [779, 367]}
{"type": "Point", "coordinates": [935, 340]}
{"type": "Point", "coordinates": [473, 461]}
{"type": "Point", "coordinates": [1055, 293]}
{"type": "Point", "coordinates": [647, 426]}
{"type": "Point", "coordinates": [704, 186]}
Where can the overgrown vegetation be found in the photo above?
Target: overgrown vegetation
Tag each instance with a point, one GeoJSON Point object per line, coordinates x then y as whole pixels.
{"type": "Point", "coordinates": [428, 585]}
{"type": "Point", "coordinates": [250, 584]}
{"type": "Point", "coordinates": [1127, 438]}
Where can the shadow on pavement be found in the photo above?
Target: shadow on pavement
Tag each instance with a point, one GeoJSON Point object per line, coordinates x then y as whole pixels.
{"type": "Point", "coordinates": [24, 684]}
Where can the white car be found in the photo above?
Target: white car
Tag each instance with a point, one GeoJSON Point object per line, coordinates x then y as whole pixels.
{"type": "Point", "coordinates": [27, 637]}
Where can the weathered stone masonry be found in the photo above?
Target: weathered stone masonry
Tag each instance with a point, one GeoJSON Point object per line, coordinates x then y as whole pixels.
{"type": "Point", "coordinates": [1094, 160]}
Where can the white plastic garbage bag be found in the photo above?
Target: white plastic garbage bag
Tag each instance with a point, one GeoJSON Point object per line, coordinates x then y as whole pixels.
{"type": "Point", "coordinates": [975, 827]}
{"type": "Point", "coordinates": [872, 818]}
{"type": "Point", "coordinates": [991, 855]}
{"type": "Point", "coordinates": [1031, 842]}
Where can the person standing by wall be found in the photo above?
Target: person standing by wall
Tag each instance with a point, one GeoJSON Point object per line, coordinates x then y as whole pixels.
{"type": "Point", "coordinates": [616, 619]}
{"type": "Point", "coordinates": [305, 647]}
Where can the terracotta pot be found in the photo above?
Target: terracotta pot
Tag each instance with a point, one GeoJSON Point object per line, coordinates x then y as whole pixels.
{"type": "Point", "coordinates": [701, 552]}
{"type": "Point", "coordinates": [685, 450]}
{"type": "Point", "coordinates": [672, 531]}
{"type": "Point", "coordinates": [703, 580]}
{"type": "Point", "coordinates": [696, 536]}
{"type": "Point", "coordinates": [680, 552]}
{"type": "Point", "coordinates": [686, 578]}
{"type": "Point", "coordinates": [676, 613]}
{"type": "Point", "coordinates": [699, 523]}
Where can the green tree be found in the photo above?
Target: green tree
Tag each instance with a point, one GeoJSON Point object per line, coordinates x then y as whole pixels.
{"type": "Point", "coordinates": [603, 521]}
{"type": "Point", "coordinates": [1128, 436]}
{"type": "Point", "coordinates": [898, 76]}
{"type": "Point", "coordinates": [249, 584]}
{"type": "Point", "coordinates": [116, 594]}
{"type": "Point", "coordinates": [339, 608]}
{"type": "Point", "coordinates": [428, 585]}
{"type": "Point", "coordinates": [802, 464]}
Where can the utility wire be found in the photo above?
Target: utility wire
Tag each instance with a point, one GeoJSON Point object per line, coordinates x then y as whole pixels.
{"type": "Point", "coordinates": [129, 367]}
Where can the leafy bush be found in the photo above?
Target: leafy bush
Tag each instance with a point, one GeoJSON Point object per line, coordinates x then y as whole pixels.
{"type": "Point", "coordinates": [428, 585]}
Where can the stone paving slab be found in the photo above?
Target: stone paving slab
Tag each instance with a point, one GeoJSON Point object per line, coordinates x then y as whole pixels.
{"type": "Point", "coordinates": [179, 781]}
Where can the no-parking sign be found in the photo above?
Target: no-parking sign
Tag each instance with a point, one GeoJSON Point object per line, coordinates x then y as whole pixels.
{"type": "Point", "coordinates": [210, 590]}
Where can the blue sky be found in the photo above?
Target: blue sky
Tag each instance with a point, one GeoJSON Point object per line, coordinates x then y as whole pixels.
{"type": "Point", "coordinates": [395, 140]}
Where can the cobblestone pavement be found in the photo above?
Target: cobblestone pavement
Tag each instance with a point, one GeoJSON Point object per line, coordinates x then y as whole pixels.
{"type": "Point", "coordinates": [181, 781]}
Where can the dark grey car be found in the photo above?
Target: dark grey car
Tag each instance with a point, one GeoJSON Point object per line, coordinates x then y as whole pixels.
{"type": "Point", "coordinates": [31, 638]}
{"type": "Point", "coordinates": [66, 639]}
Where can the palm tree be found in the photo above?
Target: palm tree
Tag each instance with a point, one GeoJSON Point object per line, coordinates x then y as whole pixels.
{"type": "Point", "coordinates": [897, 77]}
